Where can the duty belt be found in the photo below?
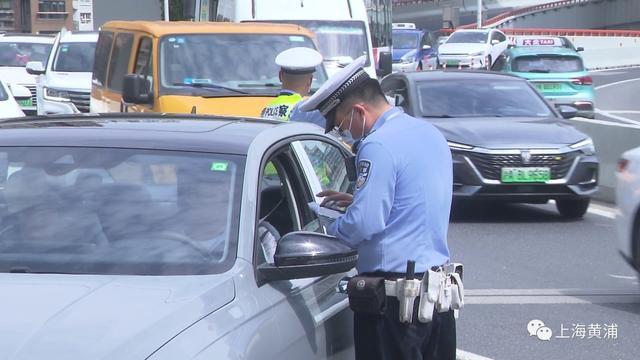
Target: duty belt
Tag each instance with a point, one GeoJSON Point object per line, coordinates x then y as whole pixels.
{"type": "Point", "coordinates": [439, 289]}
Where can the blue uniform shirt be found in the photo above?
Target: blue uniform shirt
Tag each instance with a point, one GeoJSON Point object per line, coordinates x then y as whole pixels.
{"type": "Point", "coordinates": [314, 117]}
{"type": "Point", "coordinates": [402, 198]}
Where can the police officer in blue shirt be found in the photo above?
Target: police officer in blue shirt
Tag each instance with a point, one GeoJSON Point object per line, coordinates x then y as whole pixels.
{"type": "Point", "coordinates": [399, 210]}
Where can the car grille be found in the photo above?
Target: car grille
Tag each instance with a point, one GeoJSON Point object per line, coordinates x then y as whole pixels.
{"type": "Point", "coordinates": [32, 89]}
{"type": "Point", "coordinates": [81, 100]}
{"type": "Point", "coordinates": [490, 165]}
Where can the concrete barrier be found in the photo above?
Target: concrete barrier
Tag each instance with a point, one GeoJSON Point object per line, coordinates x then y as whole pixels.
{"type": "Point", "coordinates": [610, 142]}
{"type": "Point", "coordinates": [608, 52]}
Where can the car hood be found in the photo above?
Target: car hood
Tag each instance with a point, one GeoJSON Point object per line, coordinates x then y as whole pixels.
{"type": "Point", "coordinates": [399, 53]}
{"type": "Point", "coordinates": [445, 49]}
{"type": "Point", "coordinates": [16, 75]}
{"type": "Point", "coordinates": [509, 133]}
{"type": "Point", "coordinates": [99, 317]}
{"type": "Point", "coordinates": [75, 81]}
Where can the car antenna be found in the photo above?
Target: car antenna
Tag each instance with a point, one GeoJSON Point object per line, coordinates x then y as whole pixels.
{"type": "Point", "coordinates": [193, 109]}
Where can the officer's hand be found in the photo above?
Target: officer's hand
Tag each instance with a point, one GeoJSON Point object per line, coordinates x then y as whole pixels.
{"type": "Point", "coordinates": [339, 198]}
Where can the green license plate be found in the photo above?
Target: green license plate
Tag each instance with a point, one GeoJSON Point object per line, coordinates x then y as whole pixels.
{"type": "Point", "coordinates": [452, 62]}
{"type": "Point", "coordinates": [25, 102]}
{"type": "Point", "coordinates": [525, 175]}
{"type": "Point", "coordinates": [548, 86]}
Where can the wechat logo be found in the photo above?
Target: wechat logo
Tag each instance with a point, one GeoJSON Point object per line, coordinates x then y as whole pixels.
{"type": "Point", "coordinates": [538, 329]}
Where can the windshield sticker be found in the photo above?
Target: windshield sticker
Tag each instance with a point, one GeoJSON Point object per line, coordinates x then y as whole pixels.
{"type": "Point", "coordinates": [64, 48]}
{"type": "Point", "coordinates": [172, 40]}
{"type": "Point", "coordinates": [180, 40]}
{"type": "Point", "coordinates": [219, 166]}
{"type": "Point", "coordinates": [189, 80]}
{"type": "Point", "coordinates": [296, 38]}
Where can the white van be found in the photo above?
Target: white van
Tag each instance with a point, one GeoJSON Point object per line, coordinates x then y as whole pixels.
{"type": "Point", "coordinates": [341, 26]}
{"type": "Point", "coordinates": [15, 52]}
{"type": "Point", "coordinates": [64, 83]}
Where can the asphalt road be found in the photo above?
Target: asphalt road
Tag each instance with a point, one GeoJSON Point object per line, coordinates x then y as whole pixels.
{"type": "Point", "coordinates": [525, 262]}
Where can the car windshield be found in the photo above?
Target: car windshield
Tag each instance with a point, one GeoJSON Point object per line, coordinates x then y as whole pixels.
{"type": "Point", "coordinates": [340, 42]}
{"type": "Point", "coordinates": [19, 54]}
{"type": "Point", "coordinates": [224, 64]}
{"type": "Point", "coordinates": [117, 211]}
{"type": "Point", "coordinates": [480, 98]}
{"type": "Point", "coordinates": [75, 57]}
{"type": "Point", "coordinates": [467, 37]}
{"type": "Point", "coordinates": [404, 40]}
{"type": "Point", "coordinates": [547, 64]}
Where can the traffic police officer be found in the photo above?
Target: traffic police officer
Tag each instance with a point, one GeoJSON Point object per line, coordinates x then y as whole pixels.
{"type": "Point", "coordinates": [398, 212]}
{"type": "Point", "coordinates": [297, 66]}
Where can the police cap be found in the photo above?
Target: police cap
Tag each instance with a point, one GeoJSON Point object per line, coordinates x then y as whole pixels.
{"type": "Point", "coordinates": [299, 60]}
{"type": "Point", "coordinates": [335, 90]}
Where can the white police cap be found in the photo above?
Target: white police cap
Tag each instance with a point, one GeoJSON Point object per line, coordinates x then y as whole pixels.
{"type": "Point", "coordinates": [299, 60]}
{"type": "Point", "coordinates": [333, 91]}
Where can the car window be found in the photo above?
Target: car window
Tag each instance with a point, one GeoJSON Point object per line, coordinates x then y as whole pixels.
{"type": "Point", "coordinates": [501, 37]}
{"type": "Point", "coordinates": [480, 98]}
{"type": "Point", "coordinates": [18, 54]}
{"type": "Point", "coordinates": [328, 165]}
{"type": "Point", "coordinates": [3, 94]}
{"type": "Point", "coordinates": [119, 61]}
{"type": "Point", "coordinates": [144, 61]}
{"type": "Point", "coordinates": [404, 40]}
{"type": "Point", "coordinates": [118, 211]}
{"type": "Point", "coordinates": [547, 64]}
{"type": "Point", "coordinates": [103, 49]}
{"type": "Point", "coordinates": [74, 57]}
{"type": "Point", "coordinates": [468, 37]}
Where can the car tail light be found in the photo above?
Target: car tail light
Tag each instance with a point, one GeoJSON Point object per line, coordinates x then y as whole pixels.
{"type": "Point", "coordinates": [583, 80]}
{"type": "Point", "coordinates": [622, 165]}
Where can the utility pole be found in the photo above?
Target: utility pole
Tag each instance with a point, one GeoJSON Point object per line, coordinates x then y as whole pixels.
{"type": "Point", "coordinates": [166, 10]}
{"type": "Point", "coordinates": [479, 21]}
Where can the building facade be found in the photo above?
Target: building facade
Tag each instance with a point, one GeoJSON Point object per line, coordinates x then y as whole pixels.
{"type": "Point", "coordinates": [35, 16]}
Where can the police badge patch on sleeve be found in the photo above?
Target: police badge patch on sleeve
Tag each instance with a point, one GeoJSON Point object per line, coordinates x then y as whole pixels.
{"type": "Point", "coordinates": [364, 169]}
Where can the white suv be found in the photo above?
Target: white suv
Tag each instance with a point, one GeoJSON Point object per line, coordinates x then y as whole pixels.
{"type": "Point", "coordinates": [476, 49]}
{"type": "Point", "coordinates": [64, 85]}
{"type": "Point", "coordinates": [15, 52]}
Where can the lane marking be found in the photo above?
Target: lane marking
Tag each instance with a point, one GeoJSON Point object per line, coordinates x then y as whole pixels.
{"type": "Point", "coordinates": [619, 118]}
{"type": "Point", "coordinates": [623, 277]}
{"type": "Point", "coordinates": [621, 111]}
{"type": "Point", "coordinates": [465, 355]}
{"type": "Point", "coordinates": [549, 296]}
{"type": "Point", "coordinates": [616, 83]}
{"type": "Point", "coordinates": [607, 123]}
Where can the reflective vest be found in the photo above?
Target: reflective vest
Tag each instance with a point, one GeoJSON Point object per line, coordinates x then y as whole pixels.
{"type": "Point", "coordinates": [280, 108]}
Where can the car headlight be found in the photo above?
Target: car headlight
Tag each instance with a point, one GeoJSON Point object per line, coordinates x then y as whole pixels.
{"type": "Point", "coordinates": [56, 94]}
{"type": "Point", "coordinates": [476, 53]}
{"type": "Point", "coordinates": [456, 146]}
{"type": "Point", "coordinates": [586, 146]}
{"type": "Point", "coordinates": [409, 57]}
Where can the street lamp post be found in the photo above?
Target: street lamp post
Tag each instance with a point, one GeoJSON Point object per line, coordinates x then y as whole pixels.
{"type": "Point", "coordinates": [166, 10]}
{"type": "Point", "coordinates": [479, 21]}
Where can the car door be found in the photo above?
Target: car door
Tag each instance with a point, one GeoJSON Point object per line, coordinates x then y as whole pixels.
{"type": "Point", "coordinates": [313, 320]}
{"type": "Point", "coordinates": [143, 67]}
{"type": "Point", "coordinates": [500, 47]}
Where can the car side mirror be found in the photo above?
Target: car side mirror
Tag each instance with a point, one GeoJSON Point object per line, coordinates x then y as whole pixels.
{"type": "Point", "coordinates": [579, 48]}
{"type": "Point", "coordinates": [135, 90]}
{"type": "Point", "coordinates": [495, 42]}
{"type": "Point", "coordinates": [303, 254]}
{"type": "Point", "coordinates": [426, 47]}
{"type": "Point", "coordinates": [385, 63]}
{"type": "Point", "coordinates": [35, 68]}
{"type": "Point", "coordinates": [567, 112]}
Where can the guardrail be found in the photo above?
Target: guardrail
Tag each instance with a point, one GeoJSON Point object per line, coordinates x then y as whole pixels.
{"type": "Point", "coordinates": [509, 15]}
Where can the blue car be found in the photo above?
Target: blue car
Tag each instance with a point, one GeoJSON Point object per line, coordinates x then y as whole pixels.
{"type": "Point", "coordinates": [413, 49]}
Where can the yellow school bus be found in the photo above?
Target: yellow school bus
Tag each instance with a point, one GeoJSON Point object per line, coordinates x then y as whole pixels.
{"type": "Point", "coordinates": [192, 67]}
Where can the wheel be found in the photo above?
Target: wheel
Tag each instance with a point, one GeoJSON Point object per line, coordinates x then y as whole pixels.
{"type": "Point", "coordinates": [487, 64]}
{"type": "Point", "coordinates": [572, 208]}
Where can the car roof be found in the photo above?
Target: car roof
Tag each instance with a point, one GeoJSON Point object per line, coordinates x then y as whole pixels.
{"type": "Point", "coordinates": [216, 134]}
{"type": "Point", "coordinates": [456, 75]}
{"type": "Point", "coordinates": [535, 50]}
{"type": "Point", "coordinates": [161, 28]}
{"type": "Point", "coordinates": [473, 30]}
{"type": "Point", "coordinates": [79, 36]}
{"type": "Point", "coordinates": [28, 38]}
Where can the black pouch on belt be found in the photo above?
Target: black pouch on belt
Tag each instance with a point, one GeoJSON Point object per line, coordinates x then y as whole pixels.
{"type": "Point", "coordinates": [367, 295]}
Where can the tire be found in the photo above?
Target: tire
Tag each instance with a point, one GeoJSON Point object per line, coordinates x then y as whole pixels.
{"type": "Point", "coordinates": [489, 63]}
{"type": "Point", "coordinates": [572, 208]}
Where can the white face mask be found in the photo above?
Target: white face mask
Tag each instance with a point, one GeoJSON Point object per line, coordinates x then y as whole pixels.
{"type": "Point", "coordinates": [346, 135]}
